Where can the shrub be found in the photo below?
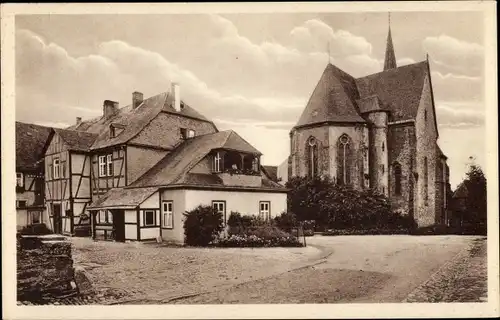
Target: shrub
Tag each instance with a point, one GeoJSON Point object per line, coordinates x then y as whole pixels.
{"type": "Point", "coordinates": [308, 232]}
{"type": "Point", "coordinates": [253, 241]}
{"type": "Point", "coordinates": [285, 221]}
{"type": "Point", "coordinates": [202, 225]}
{"type": "Point", "coordinates": [35, 229]}
{"type": "Point", "coordinates": [266, 232]}
{"type": "Point", "coordinates": [335, 206]}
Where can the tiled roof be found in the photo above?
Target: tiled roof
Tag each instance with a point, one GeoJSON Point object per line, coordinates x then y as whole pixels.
{"type": "Point", "coordinates": [76, 140]}
{"type": "Point", "coordinates": [177, 163]}
{"type": "Point", "coordinates": [398, 89]}
{"type": "Point", "coordinates": [123, 198]}
{"type": "Point", "coordinates": [133, 120]}
{"type": "Point", "coordinates": [30, 142]}
{"type": "Point", "coordinates": [333, 99]}
{"type": "Point", "coordinates": [174, 168]}
{"type": "Point", "coordinates": [272, 172]}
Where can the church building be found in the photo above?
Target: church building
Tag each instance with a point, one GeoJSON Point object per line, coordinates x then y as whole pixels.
{"type": "Point", "coordinates": [380, 132]}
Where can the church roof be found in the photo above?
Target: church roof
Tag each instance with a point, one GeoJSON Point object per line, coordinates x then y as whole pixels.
{"type": "Point", "coordinates": [333, 99]}
{"type": "Point", "coordinates": [398, 89]}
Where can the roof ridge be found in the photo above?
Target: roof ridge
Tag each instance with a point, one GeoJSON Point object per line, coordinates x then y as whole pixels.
{"type": "Point", "coordinates": [393, 70]}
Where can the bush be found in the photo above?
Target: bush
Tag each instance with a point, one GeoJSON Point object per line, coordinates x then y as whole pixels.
{"type": "Point", "coordinates": [35, 229]}
{"type": "Point", "coordinates": [266, 232]}
{"type": "Point", "coordinates": [333, 206]}
{"type": "Point", "coordinates": [285, 221]}
{"type": "Point", "coordinates": [202, 225]}
{"type": "Point", "coordinates": [308, 232]}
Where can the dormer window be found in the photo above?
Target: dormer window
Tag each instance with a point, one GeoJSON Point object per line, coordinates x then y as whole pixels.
{"type": "Point", "coordinates": [115, 129]}
{"type": "Point", "coordinates": [183, 133]}
{"type": "Point", "coordinates": [191, 133]}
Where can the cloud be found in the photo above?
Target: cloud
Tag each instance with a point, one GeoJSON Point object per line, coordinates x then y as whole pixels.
{"type": "Point", "coordinates": [455, 55]}
{"type": "Point", "coordinates": [456, 87]}
{"type": "Point", "coordinates": [113, 73]}
{"type": "Point", "coordinates": [454, 115]}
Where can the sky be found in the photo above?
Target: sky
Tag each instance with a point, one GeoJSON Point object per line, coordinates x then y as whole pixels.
{"type": "Point", "coordinates": [252, 73]}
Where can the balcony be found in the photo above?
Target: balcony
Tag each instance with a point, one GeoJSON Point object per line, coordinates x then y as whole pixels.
{"type": "Point", "coordinates": [237, 168]}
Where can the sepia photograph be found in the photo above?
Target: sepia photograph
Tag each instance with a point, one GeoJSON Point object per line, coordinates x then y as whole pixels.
{"type": "Point", "coordinates": [340, 155]}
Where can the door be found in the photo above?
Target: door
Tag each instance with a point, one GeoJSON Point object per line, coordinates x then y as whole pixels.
{"type": "Point", "coordinates": [119, 225]}
{"type": "Point", "coordinates": [57, 217]}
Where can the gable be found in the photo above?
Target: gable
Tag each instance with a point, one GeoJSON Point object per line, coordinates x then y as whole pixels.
{"type": "Point", "coordinates": [164, 130]}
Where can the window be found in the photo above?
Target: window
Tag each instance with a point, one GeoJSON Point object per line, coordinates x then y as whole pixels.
{"type": "Point", "coordinates": [426, 180]}
{"type": "Point", "coordinates": [21, 203]}
{"type": "Point", "coordinates": [220, 206]}
{"type": "Point", "coordinates": [35, 217]}
{"type": "Point", "coordinates": [344, 160]}
{"type": "Point", "coordinates": [312, 154]}
{"type": "Point", "coordinates": [382, 168]}
{"type": "Point", "coordinates": [55, 168]}
{"type": "Point", "coordinates": [191, 134]}
{"type": "Point", "coordinates": [103, 216]}
{"type": "Point", "coordinates": [102, 166]}
{"type": "Point", "coordinates": [109, 164]}
{"type": "Point", "coordinates": [383, 146]}
{"type": "Point", "coordinates": [63, 169]}
{"type": "Point", "coordinates": [168, 214]}
{"type": "Point", "coordinates": [397, 179]}
{"type": "Point", "coordinates": [425, 116]}
{"type": "Point", "coordinates": [183, 133]}
{"type": "Point", "coordinates": [149, 218]}
{"type": "Point", "coordinates": [265, 210]}
{"type": "Point", "coordinates": [216, 163]}
{"type": "Point", "coordinates": [19, 180]}
{"type": "Point", "coordinates": [112, 132]}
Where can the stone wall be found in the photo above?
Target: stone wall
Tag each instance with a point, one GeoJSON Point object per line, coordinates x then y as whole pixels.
{"type": "Point", "coordinates": [44, 268]}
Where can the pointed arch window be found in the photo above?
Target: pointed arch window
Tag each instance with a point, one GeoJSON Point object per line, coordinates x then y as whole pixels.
{"type": "Point", "coordinates": [426, 180]}
{"type": "Point", "coordinates": [312, 155]}
{"type": "Point", "coordinates": [344, 160]}
{"type": "Point", "coordinates": [397, 179]}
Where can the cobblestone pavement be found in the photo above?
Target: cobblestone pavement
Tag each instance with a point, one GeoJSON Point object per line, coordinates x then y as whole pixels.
{"type": "Point", "coordinates": [360, 269]}
{"type": "Point", "coordinates": [138, 273]}
{"type": "Point", "coordinates": [462, 279]}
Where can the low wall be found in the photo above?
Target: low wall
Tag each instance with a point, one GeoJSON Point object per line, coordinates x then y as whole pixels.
{"type": "Point", "coordinates": [44, 268]}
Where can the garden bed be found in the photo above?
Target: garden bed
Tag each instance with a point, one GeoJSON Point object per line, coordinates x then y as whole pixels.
{"type": "Point", "coordinates": [350, 232]}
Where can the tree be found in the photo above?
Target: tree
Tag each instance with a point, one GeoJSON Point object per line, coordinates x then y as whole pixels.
{"type": "Point", "coordinates": [476, 204]}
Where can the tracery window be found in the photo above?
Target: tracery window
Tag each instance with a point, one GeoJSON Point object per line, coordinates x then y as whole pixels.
{"type": "Point", "coordinates": [312, 154]}
{"type": "Point", "coordinates": [344, 160]}
{"type": "Point", "coordinates": [397, 179]}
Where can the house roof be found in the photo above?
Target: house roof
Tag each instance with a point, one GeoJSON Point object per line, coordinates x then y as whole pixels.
{"type": "Point", "coordinates": [398, 89]}
{"type": "Point", "coordinates": [122, 198]}
{"type": "Point", "coordinates": [461, 191]}
{"type": "Point", "coordinates": [76, 140]}
{"type": "Point", "coordinates": [175, 165]}
{"type": "Point", "coordinates": [333, 99]}
{"type": "Point", "coordinates": [134, 120]}
{"type": "Point", "coordinates": [272, 172]}
{"type": "Point", "coordinates": [30, 142]}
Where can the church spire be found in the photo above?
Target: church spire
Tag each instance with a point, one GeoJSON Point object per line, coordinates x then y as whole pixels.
{"type": "Point", "coordinates": [390, 57]}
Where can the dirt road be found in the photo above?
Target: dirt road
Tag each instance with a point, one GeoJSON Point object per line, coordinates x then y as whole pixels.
{"type": "Point", "coordinates": [359, 269]}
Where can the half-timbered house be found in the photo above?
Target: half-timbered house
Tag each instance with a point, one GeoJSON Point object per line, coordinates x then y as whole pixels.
{"type": "Point", "coordinates": [147, 164]}
{"type": "Point", "coordinates": [30, 207]}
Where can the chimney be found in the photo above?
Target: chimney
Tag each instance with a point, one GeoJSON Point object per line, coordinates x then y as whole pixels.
{"type": "Point", "coordinates": [176, 92]}
{"type": "Point", "coordinates": [78, 120]}
{"type": "Point", "coordinates": [109, 108]}
{"type": "Point", "coordinates": [137, 98]}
